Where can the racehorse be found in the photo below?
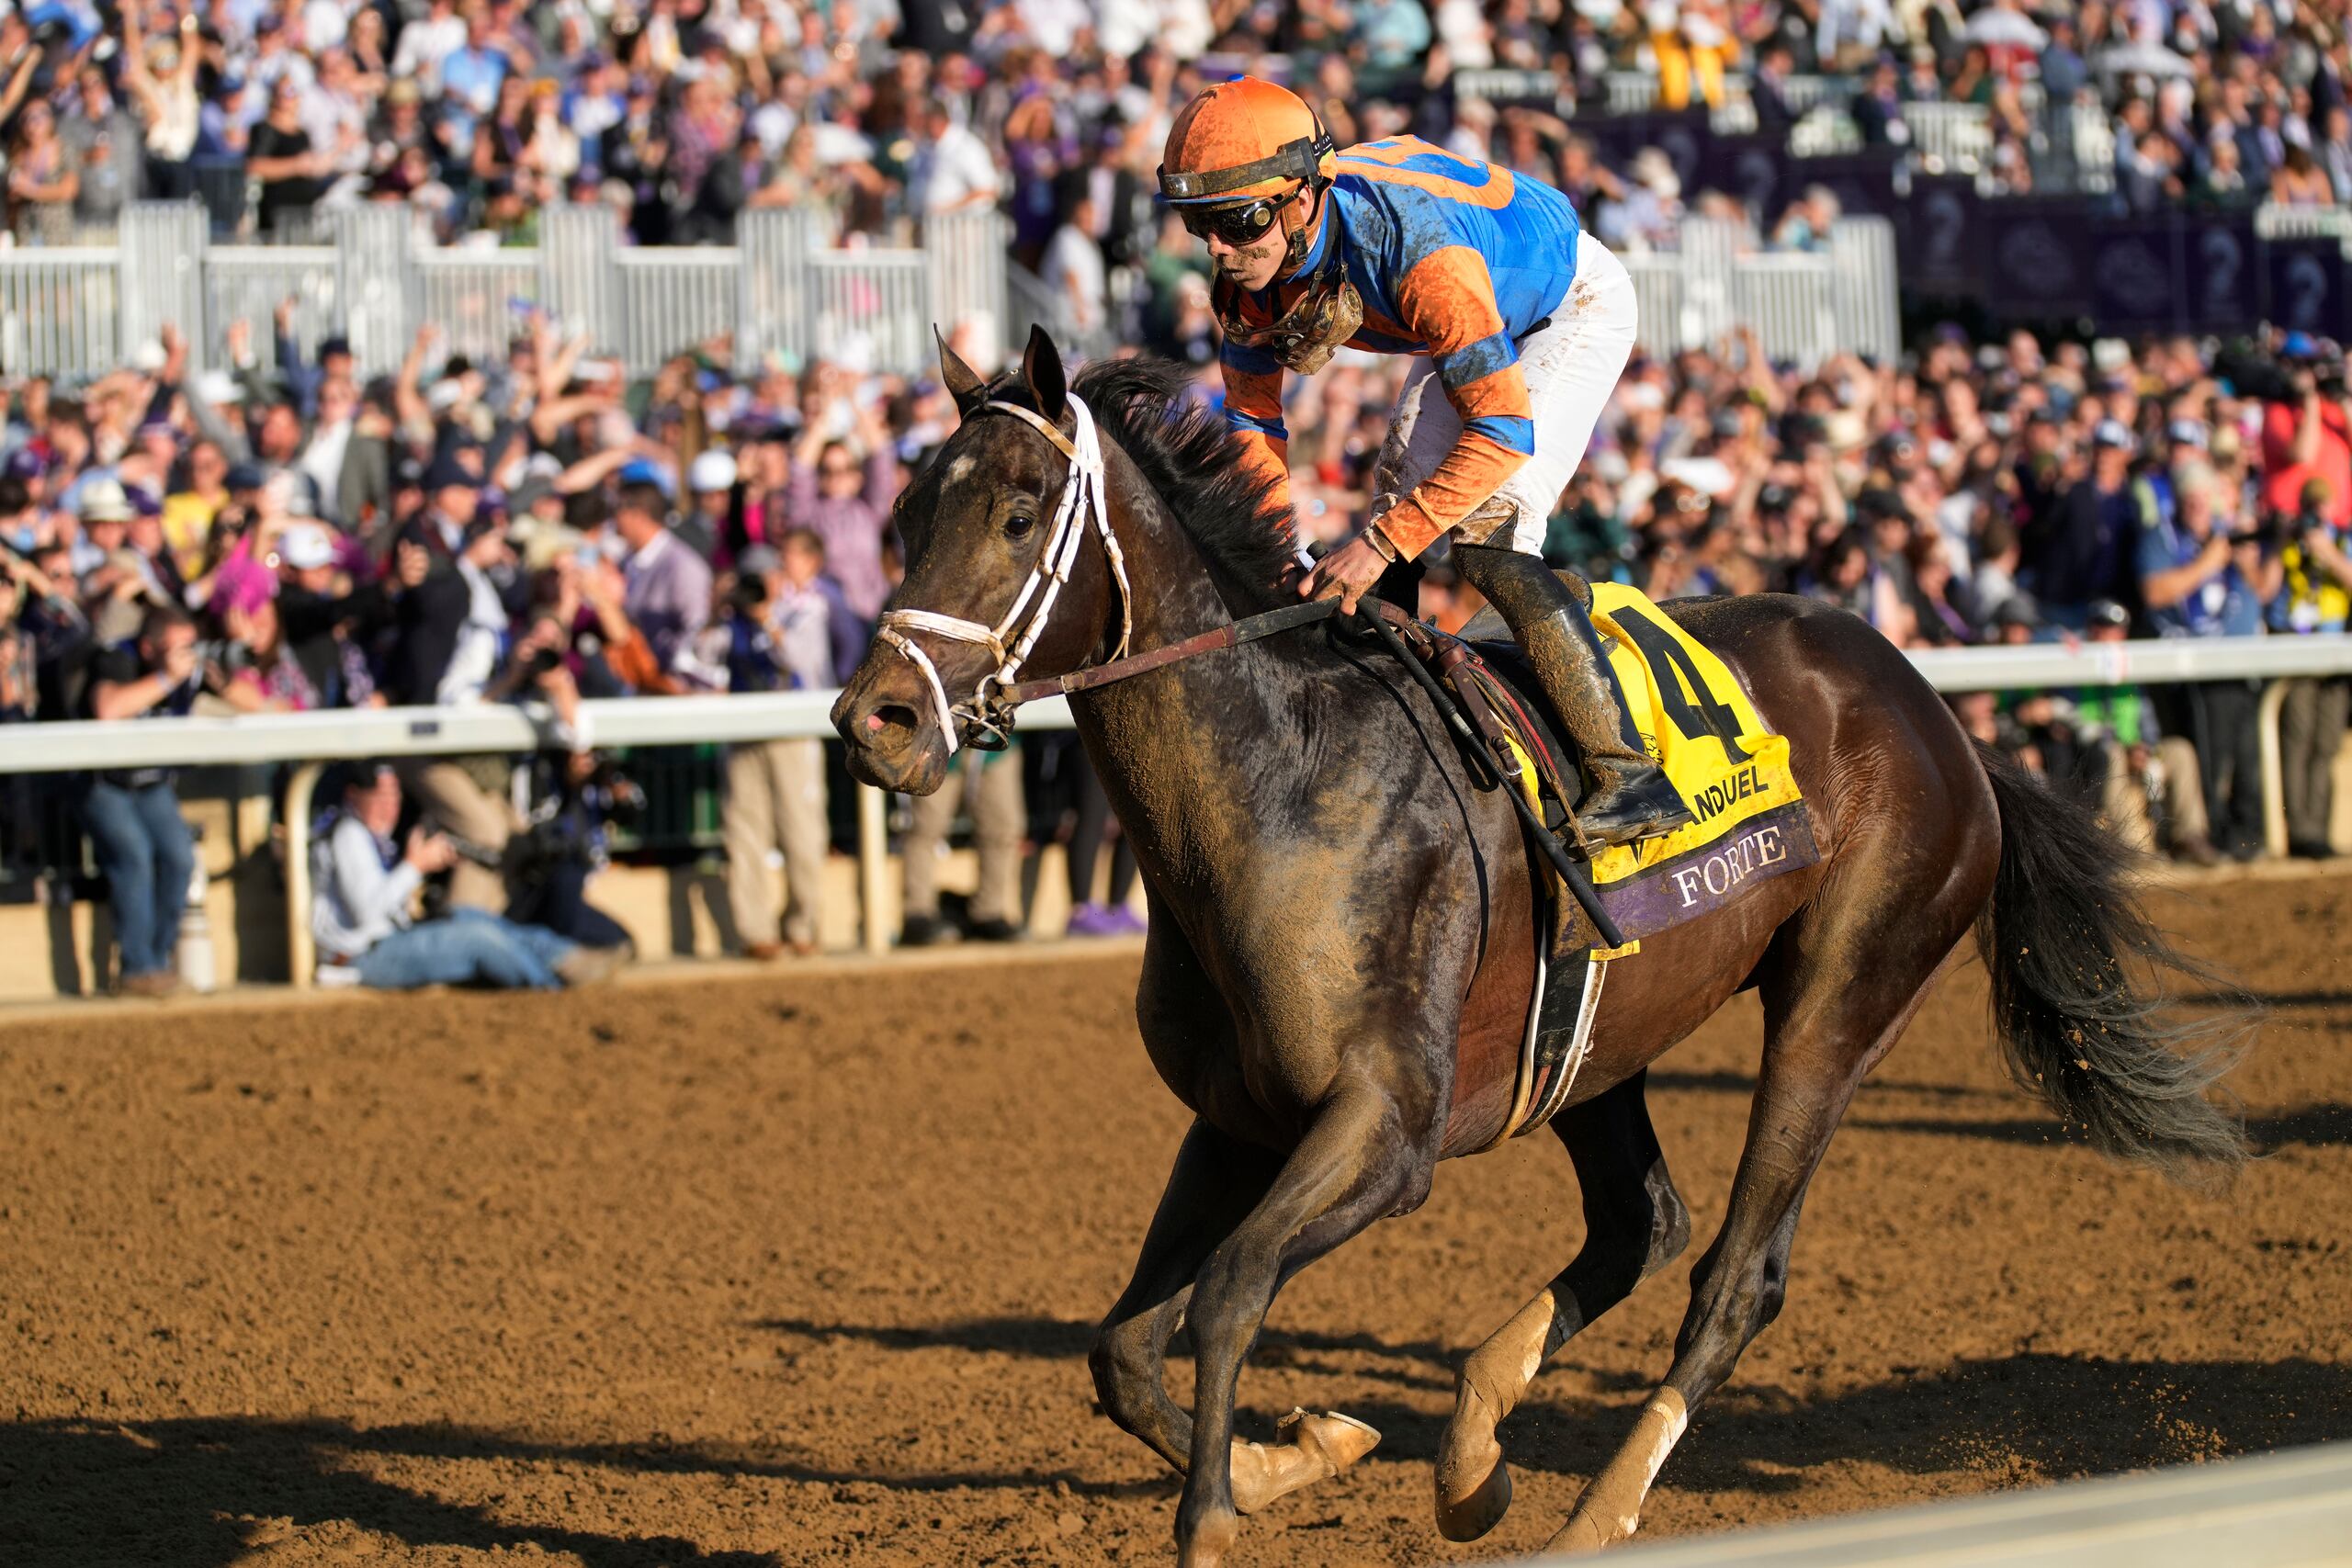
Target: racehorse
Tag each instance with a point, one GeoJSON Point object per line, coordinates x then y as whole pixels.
{"type": "Point", "coordinates": [1343, 926]}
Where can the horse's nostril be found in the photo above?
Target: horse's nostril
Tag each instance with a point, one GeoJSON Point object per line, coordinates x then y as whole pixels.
{"type": "Point", "coordinates": [889, 716]}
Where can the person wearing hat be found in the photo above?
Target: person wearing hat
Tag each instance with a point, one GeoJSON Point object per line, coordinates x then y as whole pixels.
{"type": "Point", "coordinates": [1526, 323]}
{"type": "Point", "coordinates": [327, 621]}
{"type": "Point", "coordinates": [105, 512]}
{"type": "Point", "coordinates": [711, 521]}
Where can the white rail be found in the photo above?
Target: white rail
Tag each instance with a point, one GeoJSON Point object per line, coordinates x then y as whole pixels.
{"type": "Point", "coordinates": [2282, 1510]}
{"type": "Point", "coordinates": [314, 739]}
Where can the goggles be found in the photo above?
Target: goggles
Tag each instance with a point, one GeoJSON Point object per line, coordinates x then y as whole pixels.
{"type": "Point", "coordinates": [1236, 223]}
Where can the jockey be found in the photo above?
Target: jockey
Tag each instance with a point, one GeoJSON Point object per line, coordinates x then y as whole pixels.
{"type": "Point", "coordinates": [1524, 323]}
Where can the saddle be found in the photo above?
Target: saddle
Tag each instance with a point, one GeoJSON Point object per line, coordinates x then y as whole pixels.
{"type": "Point", "coordinates": [1751, 823]}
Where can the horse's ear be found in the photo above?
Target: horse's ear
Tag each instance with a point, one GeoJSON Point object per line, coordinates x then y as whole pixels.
{"type": "Point", "coordinates": [1041, 367]}
{"type": "Point", "coordinates": [964, 383]}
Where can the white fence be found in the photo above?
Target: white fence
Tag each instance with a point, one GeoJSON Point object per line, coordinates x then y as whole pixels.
{"type": "Point", "coordinates": [313, 740]}
{"type": "Point", "coordinates": [1805, 305]}
{"type": "Point", "coordinates": [58, 311]}
{"type": "Point", "coordinates": [77, 311]}
{"type": "Point", "coordinates": [2281, 1510]}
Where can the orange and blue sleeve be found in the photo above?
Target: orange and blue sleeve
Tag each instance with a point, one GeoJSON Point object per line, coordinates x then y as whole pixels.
{"type": "Point", "coordinates": [1447, 301]}
{"type": "Point", "coordinates": [1254, 407]}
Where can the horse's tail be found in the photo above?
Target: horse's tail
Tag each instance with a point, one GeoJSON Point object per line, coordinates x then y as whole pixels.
{"type": "Point", "coordinates": [2061, 939]}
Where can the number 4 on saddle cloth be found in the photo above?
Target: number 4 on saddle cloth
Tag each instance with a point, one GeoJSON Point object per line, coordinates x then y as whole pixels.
{"type": "Point", "coordinates": [1701, 724]}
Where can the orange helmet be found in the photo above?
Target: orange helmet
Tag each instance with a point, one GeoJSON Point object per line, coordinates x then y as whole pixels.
{"type": "Point", "coordinates": [1244, 140]}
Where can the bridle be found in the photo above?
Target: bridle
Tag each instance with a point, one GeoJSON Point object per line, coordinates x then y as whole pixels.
{"type": "Point", "coordinates": [988, 714]}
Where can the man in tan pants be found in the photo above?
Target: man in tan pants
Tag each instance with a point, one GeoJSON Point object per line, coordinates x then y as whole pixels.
{"type": "Point", "coordinates": [775, 799]}
{"type": "Point", "coordinates": [992, 780]}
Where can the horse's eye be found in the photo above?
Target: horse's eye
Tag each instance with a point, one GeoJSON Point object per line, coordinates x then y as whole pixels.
{"type": "Point", "coordinates": [1017, 525]}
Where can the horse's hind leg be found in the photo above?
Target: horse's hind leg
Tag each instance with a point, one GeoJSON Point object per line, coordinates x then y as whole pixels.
{"type": "Point", "coordinates": [1839, 987]}
{"type": "Point", "coordinates": [1635, 1224]}
{"type": "Point", "coordinates": [1356, 1163]}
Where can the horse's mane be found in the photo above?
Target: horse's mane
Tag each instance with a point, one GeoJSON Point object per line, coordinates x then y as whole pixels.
{"type": "Point", "coordinates": [1192, 460]}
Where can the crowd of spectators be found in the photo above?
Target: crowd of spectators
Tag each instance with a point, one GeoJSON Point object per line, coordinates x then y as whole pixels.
{"type": "Point", "coordinates": [245, 541]}
{"type": "Point", "coordinates": [535, 525]}
{"type": "Point", "coordinates": [871, 117]}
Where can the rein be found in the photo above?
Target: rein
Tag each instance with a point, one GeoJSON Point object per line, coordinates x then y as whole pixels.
{"type": "Point", "coordinates": [1249, 629]}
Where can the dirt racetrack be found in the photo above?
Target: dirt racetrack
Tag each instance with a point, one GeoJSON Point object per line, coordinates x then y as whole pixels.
{"type": "Point", "coordinates": [800, 1269]}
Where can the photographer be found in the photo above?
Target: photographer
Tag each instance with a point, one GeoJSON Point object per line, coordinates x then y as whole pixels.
{"type": "Point", "coordinates": [452, 622]}
{"type": "Point", "coordinates": [362, 915]}
{"type": "Point", "coordinates": [775, 634]}
{"type": "Point", "coordinates": [580, 795]}
{"type": "Point", "coordinates": [2201, 578]}
{"type": "Point", "coordinates": [133, 814]}
{"type": "Point", "coordinates": [2145, 784]}
{"type": "Point", "coordinates": [2317, 594]}
{"type": "Point", "coordinates": [2306, 430]}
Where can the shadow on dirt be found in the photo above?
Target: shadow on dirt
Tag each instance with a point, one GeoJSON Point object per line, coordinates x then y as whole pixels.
{"type": "Point", "coordinates": [1673, 1081]}
{"type": "Point", "coordinates": [204, 1493]}
{"type": "Point", "coordinates": [1417, 1364]}
{"type": "Point", "coordinates": [2038, 1414]}
{"type": "Point", "coordinates": [2029, 1417]}
{"type": "Point", "coordinates": [2316, 1126]}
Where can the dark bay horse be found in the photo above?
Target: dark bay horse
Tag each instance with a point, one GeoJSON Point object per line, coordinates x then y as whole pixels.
{"type": "Point", "coordinates": [1343, 930]}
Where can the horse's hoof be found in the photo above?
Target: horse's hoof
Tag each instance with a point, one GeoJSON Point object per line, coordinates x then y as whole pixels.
{"type": "Point", "coordinates": [1587, 1532]}
{"type": "Point", "coordinates": [1206, 1544]}
{"type": "Point", "coordinates": [1307, 1448]}
{"type": "Point", "coordinates": [1466, 1515]}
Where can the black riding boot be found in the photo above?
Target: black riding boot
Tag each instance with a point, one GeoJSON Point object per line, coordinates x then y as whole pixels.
{"type": "Point", "coordinates": [1630, 797]}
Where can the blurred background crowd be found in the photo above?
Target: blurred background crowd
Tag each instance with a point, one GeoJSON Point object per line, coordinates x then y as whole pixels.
{"type": "Point", "coordinates": [874, 113]}
{"type": "Point", "coordinates": [285, 532]}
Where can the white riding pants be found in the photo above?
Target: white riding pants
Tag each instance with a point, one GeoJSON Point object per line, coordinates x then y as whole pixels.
{"type": "Point", "coordinates": [1571, 367]}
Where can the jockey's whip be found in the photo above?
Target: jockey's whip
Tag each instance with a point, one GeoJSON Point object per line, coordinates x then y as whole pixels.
{"type": "Point", "coordinates": [1571, 874]}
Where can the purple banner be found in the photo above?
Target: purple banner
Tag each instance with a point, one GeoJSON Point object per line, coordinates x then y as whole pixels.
{"type": "Point", "coordinates": [1701, 881]}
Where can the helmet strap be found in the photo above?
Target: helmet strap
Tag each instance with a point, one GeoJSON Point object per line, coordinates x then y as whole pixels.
{"type": "Point", "coordinates": [1298, 223]}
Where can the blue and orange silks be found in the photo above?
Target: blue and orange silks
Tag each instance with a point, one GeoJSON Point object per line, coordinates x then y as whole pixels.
{"type": "Point", "coordinates": [1455, 259]}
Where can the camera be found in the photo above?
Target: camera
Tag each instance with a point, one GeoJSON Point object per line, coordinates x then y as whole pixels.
{"type": "Point", "coordinates": [541, 661]}
{"type": "Point", "coordinates": [749, 595]}
{"type": "Point", "coordinates": [225, 654]}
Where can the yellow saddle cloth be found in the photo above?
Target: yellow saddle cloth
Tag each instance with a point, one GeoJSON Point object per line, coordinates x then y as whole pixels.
{"type": "Point", "coordinates": [1751, 826]}
{"type": "Point", "coordinates": [1700, 724]}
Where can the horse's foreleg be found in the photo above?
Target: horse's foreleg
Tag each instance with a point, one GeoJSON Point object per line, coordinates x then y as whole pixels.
{"type": "Point", "coordinates": [1355, 1164]}
{"type": "Point", "coordinates": [1635, 1224]}
{"type": "Point", "coordinates": [1216, 1182]}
